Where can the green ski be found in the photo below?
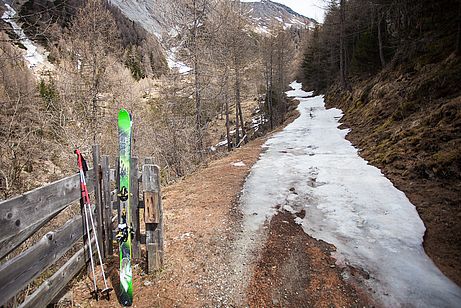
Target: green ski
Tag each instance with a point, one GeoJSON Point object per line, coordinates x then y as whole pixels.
{"type": "Point", "coordinates": [124, 233]}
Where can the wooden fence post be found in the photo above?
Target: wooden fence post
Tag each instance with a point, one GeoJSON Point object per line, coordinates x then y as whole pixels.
{"type": "Point", "coordinates": [134, 210]}
{"type": "Point", "coordinates": [108, 238]}
{"type": "Point", "coordinates": [153, 215]}
{"type": "Point", "coordinates": [97, 193]}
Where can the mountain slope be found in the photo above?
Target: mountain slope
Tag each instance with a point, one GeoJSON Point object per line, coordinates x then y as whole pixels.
{"type": "Point", "coordinates": [156, 16]}
{"type": "Point", "coordinates": [150, 14]}
{"type": "Point", "coordinates": [266, 14]}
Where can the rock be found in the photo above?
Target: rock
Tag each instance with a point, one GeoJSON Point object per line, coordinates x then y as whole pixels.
{"type": "Point", "coordinates": [147, 283]}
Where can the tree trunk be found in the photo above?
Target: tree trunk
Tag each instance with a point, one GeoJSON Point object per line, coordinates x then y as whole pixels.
{"type": "Point", "coordinates": [342, 64]}
{"type": "Point", "coordinates": [458, 37]}
{"type": "Point", "coordinates": [241, 119]}
{"type": "Point", "coordinates": [238, 99]}
{"type": "Point", "coordinates": [281, 72]}
{"type": "Point", "coordinates": [237, 125]}
{"type": "Point", "coordinates": [198, 103]}
{"type": "Point", "coordinates": [226, 99]}
{"type": "Point", "coordinates": [380, 41]}
{"type": "Point", "coordinates": [269, 99]}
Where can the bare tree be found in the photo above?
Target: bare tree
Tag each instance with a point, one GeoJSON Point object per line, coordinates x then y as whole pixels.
{"type": "Point", "coordinates": [342, 45]}
{"type": "Point", "coordinates": [22, 128]}
{"type": "Point", "coordinates": [94, 40]}
{"type": "Point", "coordinates": [191, 19]}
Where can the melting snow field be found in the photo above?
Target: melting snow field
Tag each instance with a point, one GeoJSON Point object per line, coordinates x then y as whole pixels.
{"type": "Point", "coordinates": [348, 203]}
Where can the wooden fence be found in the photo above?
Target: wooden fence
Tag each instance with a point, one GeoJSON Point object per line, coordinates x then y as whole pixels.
{"type": "Point", "coordinates": [22, 216]}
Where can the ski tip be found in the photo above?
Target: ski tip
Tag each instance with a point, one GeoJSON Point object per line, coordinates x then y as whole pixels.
{"type": "Point", "coordinates": [124, 118]}
{"type": "Point", "coordinates": [123, 113]}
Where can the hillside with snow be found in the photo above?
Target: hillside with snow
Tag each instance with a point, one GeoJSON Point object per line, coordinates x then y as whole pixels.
{"type": "Point", "coordinates": [266, 14]}
{"type": "Point", "coordinates": [157, 16]}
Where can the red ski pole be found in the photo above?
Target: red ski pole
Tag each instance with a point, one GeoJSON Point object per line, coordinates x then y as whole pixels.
{"type": "Point", "coordinates": [87, 206]}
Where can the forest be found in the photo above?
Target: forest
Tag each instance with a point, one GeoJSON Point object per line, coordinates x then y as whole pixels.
{"type": "Point", "coordinates": [99, 61]}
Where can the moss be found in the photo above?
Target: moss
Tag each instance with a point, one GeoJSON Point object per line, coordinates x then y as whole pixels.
{"type": "Point", "coordinates": [405, 109]}
{"type": "Point", "coordinates": [391, 157]}
{"type": "Point", "coordinates": [413, 141]}
{"type": "Point", "coordinates": [386, 125]}
{"type": "Point", "coordinates": [446, 163]}
{"type": "Point", "coordinates": [447, 157]}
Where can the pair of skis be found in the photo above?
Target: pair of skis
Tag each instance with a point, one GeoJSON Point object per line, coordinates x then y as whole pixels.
{"type": "Point", "coordinates": [124, 233]}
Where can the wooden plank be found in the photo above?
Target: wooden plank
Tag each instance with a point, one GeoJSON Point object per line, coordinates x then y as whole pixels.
{"type": "Point", "coordinates": [158, 233]}
{"type": "Point", "coordinates": [149, 187]}
{"type": "Point", "coordinates": [98, 196]}
{"type": "Point", "coordinates": [150, 248]}
{"type": "Point", "coordinates": [158, 239]}
{"type": "Point", "coordinates": [21, 216]}
{"type": "Point", "coordinates": [136, 248]}
{"type": "Point", "coordinates": [13, 242]}
{"type": "Point", "coordinates": [155, 257]}
{"type": "Point", "coordinates": [51, 287]}
{"type": "Point", "coordinates": [154, 231]}
{"type": "Point", "coordinates": [151, 209]}
{"type": "Point", "coordinates": [16, 273]}
{"type": "Point", "coordinates": [113, 175]}
{"type": "Point", "coordinates": [107, 206]}
{"type": "Point", "coordinates": [148, 178]}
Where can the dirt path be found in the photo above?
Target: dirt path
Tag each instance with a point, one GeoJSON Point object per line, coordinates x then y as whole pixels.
{"type": "Point", "coordinates": [206, 267]}
{"type": "Point", "coordinates": [296, 270]}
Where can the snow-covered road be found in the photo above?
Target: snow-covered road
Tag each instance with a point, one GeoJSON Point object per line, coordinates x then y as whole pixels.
{"type": "Point", "coordinates": [348, 203]}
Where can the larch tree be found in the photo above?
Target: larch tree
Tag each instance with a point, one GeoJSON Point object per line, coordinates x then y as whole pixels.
{"type": "Point", "coordinates": [191, 18]}
{"type": "Point", "coordinates": [94, 42]}
{"type": "Point", "coordinates": [22, 125]}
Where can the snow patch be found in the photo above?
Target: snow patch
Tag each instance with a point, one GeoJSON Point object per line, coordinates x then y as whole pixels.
{"type": "Point", "coordinates": [238, 164]}
{"type": "Point", "coordinates": [348, 203]}
{"type": "Point", "coordinates": [221, 143]}
{"type": "Point", "coordinates": [262, 30]}
{"type": "Point", "coordinates": [173, 63]}
{"type": "Point", "coordinates": [299, 220]}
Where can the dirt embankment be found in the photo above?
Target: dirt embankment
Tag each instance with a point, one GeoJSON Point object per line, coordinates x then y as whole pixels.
{"type": "Point", "coordinates": [407, 122]}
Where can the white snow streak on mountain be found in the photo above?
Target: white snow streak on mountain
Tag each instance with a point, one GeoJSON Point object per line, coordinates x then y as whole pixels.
{"type": "Point", "coordinates": [150, 15]}
{"type": "Point", "coordinates": [349, 204]}
{"type": "Point", "coordinates": [32, 55]}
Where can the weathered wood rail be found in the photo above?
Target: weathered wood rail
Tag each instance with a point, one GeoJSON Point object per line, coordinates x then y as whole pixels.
{"type": "Point", "coordinates": [21, 217]}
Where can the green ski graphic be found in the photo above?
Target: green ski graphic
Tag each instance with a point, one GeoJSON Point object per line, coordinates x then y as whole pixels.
{"type": "Point", "coordinates": [124, 233]}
